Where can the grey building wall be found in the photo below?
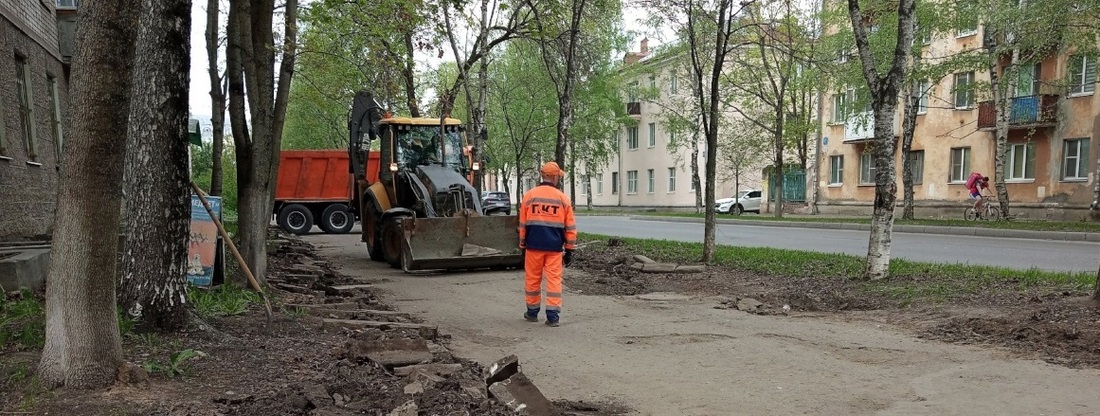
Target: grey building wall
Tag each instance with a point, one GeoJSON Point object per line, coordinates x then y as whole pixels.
{"type": "Point", "coordinates": [28, 184]}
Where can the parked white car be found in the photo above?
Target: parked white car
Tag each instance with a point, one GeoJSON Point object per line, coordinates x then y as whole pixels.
{"type": "Point", "coordinates": [746, 201]}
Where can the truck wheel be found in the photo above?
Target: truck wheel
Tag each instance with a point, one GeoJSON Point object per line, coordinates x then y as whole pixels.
{"type": "Point", "coordinates": [337, 219]}
{"type": "Point", "coordinates": [393, 241]}
{"type": "Point", "coordinates": [372, 234]}
{"type": "Point", "coordinates": [295, 219]}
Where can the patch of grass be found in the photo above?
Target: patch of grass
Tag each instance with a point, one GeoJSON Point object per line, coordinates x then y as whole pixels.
{"type": "Point", "coordinates": [225, 300]}
{"type": "Point", "coordinates": [1036, 225]}
{"type": "Point", "coordinates": [295, 312]}
{"type": "Point", "coordinates": [909, 280]}
{"type": "Point", "coordinates": [174, 366]}
{"type": "Point", "coordinates": [22, 321]}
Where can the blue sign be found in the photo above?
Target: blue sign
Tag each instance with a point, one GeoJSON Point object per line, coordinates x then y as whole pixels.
{"type": "Point", "coordinates": [824, 141]}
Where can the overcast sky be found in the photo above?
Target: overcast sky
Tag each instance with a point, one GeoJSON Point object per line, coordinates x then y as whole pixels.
{"type": "Point", "coordinates": [200, 79]}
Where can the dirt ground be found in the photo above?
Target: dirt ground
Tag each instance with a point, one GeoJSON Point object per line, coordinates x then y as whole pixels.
{"type": "Point", "coordinates": [295, 366]}
{"type": "Point", "coordinates": [678, 345]}
{"type": "Point", "coordinates": [1056, 324]}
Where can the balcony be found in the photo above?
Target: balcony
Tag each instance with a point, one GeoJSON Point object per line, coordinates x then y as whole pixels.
{"type": "Point", "coordinates": [634, 108]}
{"type": "Point", "coordinates": [860, 127]}
{"type": "Point", "coordinates": [1026, 112]}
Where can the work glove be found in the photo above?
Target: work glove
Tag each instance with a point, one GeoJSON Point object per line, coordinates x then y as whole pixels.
{"type": "Point", "coordinates": [567, 259]}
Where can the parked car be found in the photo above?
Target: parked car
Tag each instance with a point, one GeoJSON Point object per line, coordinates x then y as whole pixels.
{"type": "Point", "coordinates": [496, 202]}
{"type": "Point", "coordinates": [746, 201]}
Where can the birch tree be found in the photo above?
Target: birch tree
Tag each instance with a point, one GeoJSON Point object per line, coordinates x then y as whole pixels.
{"type": "Point", "coordinates": [158, 192]}
{"type": "Point", "coordinates": [83, 348]}
{"type": "Point", "coordinates": [217, 93]}
{"type": "Point", "coordinates": [884, 83]}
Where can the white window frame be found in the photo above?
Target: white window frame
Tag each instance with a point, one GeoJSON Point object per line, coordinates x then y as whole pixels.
{"type": "Point", "coordinates": [671, 180]}
{"type": "Point", "coordinates": [969, 85]}
{"type": "Point", "coordinates": [673, 86]}
{"type": "Point", "coordinates": [55, 113]}
{"type": "Point", "coordinates": [1026, 173]}
{"type": "Point", "coordinates": [651, 185]}
{"type": "Point", "coordinates": [599, 184]}
{"type": "Point", "coordinates": [964, 32]}
{"type": "Point", "coordinates": [959, 169]}
{"type": "Point", "coordinates": [867, 166]}
{"type": "Point", "coordinates": [1079, 161]}
{"type": "Point", "coordinates": [67, 4]}
{"type": "Point", "coordinates": [585, 183]}
{"type": "Point", "coordinates": [652, 135]}
{"type": "Point", "coordinates": [836, 170]}
{"type": "Point", "coordinates": [1082, 80]}
{"type": "Point", "coordinates": [24, 92]}
{"type": "Point", "coordinates": [839, 104]}
{"type": "Point", "coordinates": [631, 182]}
{"type": "Point", "coordinates": [925, 89]}
{"type": "Point", "coordinates": [632, 138]}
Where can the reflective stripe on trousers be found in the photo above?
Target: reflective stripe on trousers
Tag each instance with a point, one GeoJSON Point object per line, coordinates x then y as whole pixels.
{"type": "Point", "coordinates": [538, 264]}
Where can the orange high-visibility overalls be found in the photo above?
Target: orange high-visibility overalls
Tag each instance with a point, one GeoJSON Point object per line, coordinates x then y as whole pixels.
{"type": "Point", "coordinates": [546, 227]}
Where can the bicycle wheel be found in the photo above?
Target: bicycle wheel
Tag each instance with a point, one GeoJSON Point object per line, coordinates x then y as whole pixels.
{"type": "Point", "coordinates": [969, 214]}
{"type": "Point", "coordinates": [994, 214]}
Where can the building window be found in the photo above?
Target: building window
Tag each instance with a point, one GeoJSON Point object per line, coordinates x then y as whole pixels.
{"type": "Point", "coordinates": [838, 107]}
{"type": "Point", "coordinates": [960, 164]}
{"type": "Point", "coordinates": [652, 81]}
{"type": "Point", "coordinates": [614, 183]}
{"type": "Point", "coordinates": [1028, 78]}
{"type": "Point", "coordinates": [1021, 161]}
{"type": "Point", "coordinates": [671, 180]}
{"type": "Point", "coordinates": [652, 185]}
{"type": "Point", "coordinates": [836, 170]}
{"type": "Point", "coordinates": [26, 107]}
{"type": "Point", "coordinates": [964, 90]}
{"type": "Point", "coordinates": [691, 184]}
{"type": "Point", "coordinates": [966, 18]}
{"type": "Point", "coordinates": [599, 184]}
{"type": "Point", "coordinates": [866, 169]}
{"type": "Point", "coordinates": [672, 137]}
{"type": "Point", "coordinates": [631, 181]}
{"type": "Point", "coordinates": [67, 4]}
{"type": "Point", "coordinates": [55, 115]}
{"type": "Point", "coordinates": [585, 183]}
{"type": "Point", "coordinates": [652, 134]}
{"type": "Point", "coordinates": [632, 137]}
{"type": "Point", "coordinates": [1082, 74]}
{"type": "Point", "coordinates": [924, 89]}
{"type": "Point", "coordinates": [672, 83]}
{"type": "Point", "coordinates": [632, 92]}
{"type": "Point", "coordinates": [1075, 159]}
{"type": "Point", "coordinates": [916, 166]}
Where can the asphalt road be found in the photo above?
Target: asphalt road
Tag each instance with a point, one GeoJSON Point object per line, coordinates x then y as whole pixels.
{"type": "Point", "coordinates": [1005, 252]}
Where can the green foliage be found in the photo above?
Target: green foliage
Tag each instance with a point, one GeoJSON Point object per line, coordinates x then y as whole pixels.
{"type": "Point", "coordinates": [22, 321]}
{"type": "Point", "coordinates": [174, 366]}
{"type": "Point", "coordinates": [1071, 226]}
{"type": "Point", "coordinates": [201, 170]}
{"type": "Point", "coordinates": [224, 300]}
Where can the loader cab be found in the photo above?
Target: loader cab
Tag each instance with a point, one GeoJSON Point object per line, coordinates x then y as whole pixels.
{"type": "Point", "coordinates": [410, 142]}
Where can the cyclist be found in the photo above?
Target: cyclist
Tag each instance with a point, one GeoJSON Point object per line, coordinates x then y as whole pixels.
{"type": "Point", "coordinates": [975, 183]}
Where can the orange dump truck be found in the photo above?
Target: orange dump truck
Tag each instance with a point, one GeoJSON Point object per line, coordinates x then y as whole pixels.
{"type": "Point", "coordinates": [314, 187]}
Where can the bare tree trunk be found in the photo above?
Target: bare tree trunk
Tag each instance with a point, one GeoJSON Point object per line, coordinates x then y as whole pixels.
{"type": "Point", "coordinates": [572, 175]}
{"type": "Point", "coordinates": [695, 182]}
{"type": "Point", "coordinates": [778, 171]}
{"type": "Point", "coordinates": [158, 192]}
{"type": "Point", "coordinates": [409, 73]}
{"type": "Point", "coordinates": [252, 51]}
{"type": "Point", "coordinates": [1003, 103]}
{"type": "Point", "coordinates": [217, 96]}
{"type": "Point", "coordinates": [83, 348]}
{"type": "Point", "coordinates": [908, 128]}
{"type": "Point", "coordinates": [588, 190]}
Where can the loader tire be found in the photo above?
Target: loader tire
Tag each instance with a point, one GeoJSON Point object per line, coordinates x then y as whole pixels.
{"type": "Point", "coordinates": [393, 241]}
{"type": "Point", "coordinates": [372, 234]}
{"type": "Point", "coordinates": [337, 219]}
{"type": "Point", "coordinates": [295, 219]}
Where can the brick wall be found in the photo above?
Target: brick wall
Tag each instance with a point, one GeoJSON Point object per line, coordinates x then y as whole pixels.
{"type": "Point", "coordinates": [28, 186]}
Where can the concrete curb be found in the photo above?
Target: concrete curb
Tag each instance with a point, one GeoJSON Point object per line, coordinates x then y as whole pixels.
{"type": "Point", "coordinates": [916, 229]}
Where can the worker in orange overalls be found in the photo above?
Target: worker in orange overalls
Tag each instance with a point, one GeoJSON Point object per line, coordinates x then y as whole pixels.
{"type": "Point", "coordinates": [546, 227]}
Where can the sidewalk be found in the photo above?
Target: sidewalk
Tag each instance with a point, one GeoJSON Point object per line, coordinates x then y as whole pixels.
{"type": "Point", "coordinates": [921, 229]}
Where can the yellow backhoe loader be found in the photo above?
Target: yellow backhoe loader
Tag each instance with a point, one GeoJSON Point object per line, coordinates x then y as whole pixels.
{"type": "Point", "coordinates": [423, 213]}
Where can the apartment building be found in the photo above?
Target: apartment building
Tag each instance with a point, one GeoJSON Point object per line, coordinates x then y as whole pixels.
{"type": "Point", "coordinates": [1052, 149]}
{"type": "Point", "coordinates": [34, 116]}
{"type": "Point", "coordinates": [646, 172]}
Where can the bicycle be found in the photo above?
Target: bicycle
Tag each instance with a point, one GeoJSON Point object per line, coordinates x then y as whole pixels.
{"type": "Point", "coordinates": [989, 211]}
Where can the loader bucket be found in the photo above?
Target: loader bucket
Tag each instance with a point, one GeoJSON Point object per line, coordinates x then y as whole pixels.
{"type": "Point", "coordinates": [464, 242]}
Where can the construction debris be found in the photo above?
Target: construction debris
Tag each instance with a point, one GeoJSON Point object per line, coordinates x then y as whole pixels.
{"type": "Point", "coordinates": [509, 386]}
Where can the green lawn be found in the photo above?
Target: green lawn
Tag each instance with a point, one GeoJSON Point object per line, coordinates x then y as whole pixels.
{"type": "Point", "coordinates": [909, 280]}
{"type": "Point", "coordinates": [1034, 225]}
